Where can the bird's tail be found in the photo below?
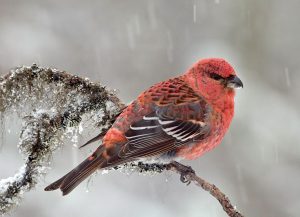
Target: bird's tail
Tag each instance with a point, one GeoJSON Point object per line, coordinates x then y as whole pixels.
{"type": "Point", "coordinates": [70, 181]}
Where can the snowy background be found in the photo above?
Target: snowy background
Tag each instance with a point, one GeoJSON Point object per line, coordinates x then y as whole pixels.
{"type": "Point", "coordinates": [129, 45]}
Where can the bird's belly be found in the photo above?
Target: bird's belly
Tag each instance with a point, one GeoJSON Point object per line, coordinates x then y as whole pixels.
{"type": "Point", "coordinates": [197, 148]}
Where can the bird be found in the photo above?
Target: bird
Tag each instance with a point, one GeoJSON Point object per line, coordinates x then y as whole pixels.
{"type": "Point", "coordinates": [180, 118]}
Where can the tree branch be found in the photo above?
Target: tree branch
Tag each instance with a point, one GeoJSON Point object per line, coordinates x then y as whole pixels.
{"type": "Point", "coordinates": [187, 175]}
{"type": "Point", "coordinates": [52, 103]}
{"type": "Point", "coordinates": [58, 101]}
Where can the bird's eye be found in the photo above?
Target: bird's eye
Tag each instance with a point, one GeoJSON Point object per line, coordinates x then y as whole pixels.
{"type": "Point", "coordinates": [215, 76]}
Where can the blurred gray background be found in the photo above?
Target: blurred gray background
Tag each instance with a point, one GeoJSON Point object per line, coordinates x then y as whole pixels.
{"type": "Point", "coordinates": [129, 45]}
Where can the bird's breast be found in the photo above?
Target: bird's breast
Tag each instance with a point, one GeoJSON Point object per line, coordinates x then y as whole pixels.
{"type": "Point", "coordinates": [220, 122]}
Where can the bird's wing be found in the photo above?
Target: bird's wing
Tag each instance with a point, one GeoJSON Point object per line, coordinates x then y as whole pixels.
{"type": "Point", "coordinates": [179, 116]}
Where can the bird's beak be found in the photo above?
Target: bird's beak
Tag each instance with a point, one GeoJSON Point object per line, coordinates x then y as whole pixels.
{"type": "Point", "coordinates": [233, 81]}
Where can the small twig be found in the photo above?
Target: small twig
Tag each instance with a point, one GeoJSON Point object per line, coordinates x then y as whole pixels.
{"type": "Point", "coordinates": [187, 175]}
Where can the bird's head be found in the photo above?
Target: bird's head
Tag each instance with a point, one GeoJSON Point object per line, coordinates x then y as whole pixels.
{"type": "Point", "coordinates": [213, 78]}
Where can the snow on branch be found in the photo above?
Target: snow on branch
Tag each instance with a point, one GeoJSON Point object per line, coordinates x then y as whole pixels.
{"type": "Point", "coordinates": [58, 101]}
{"type": "Point", "coordinates": [51, 103]}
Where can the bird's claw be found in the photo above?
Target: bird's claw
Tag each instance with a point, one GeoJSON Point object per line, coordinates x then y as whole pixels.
{"type": "Point", "coordinates": [185, 176]}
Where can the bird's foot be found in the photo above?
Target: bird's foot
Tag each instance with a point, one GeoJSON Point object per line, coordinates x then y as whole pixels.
{"type": "Point", "coordinates": [185, 171]}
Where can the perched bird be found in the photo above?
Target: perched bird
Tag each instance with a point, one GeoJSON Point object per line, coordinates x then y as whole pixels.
{"type": "Point", "coordinates": [180, 118]}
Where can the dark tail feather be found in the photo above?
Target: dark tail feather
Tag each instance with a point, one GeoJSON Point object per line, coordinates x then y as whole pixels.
{"type": "Point", "coordinates": [55, 185]}
{"type": "Point", "coordinates": [96, 138]}
{"type": "Point", "coordinates": [70, 181]}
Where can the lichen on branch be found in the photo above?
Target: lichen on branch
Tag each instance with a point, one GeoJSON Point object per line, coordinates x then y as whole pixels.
{"type": "Point", "coordinates": [49, 101]}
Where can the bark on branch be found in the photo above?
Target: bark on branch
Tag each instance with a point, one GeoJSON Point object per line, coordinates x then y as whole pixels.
{"type": "Point", "coordinates": [51, 102]}
{"type": "Point", "coordinates": [188, 175]}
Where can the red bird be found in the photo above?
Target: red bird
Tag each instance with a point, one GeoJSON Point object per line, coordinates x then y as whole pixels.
{"type": "Point", "coordinates": [180, 118]}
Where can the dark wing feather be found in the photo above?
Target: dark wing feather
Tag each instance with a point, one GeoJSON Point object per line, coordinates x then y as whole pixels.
{"type": "Point", "coordinates": [172, 123]}
{"type": "Point", "coordinates": [103, 131]}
